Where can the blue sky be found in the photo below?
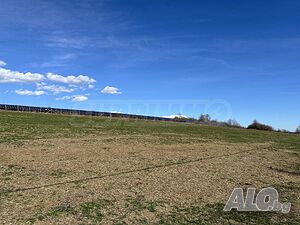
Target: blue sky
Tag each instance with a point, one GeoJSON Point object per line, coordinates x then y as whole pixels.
{"type": "Point", "coordinates": [229, 58]}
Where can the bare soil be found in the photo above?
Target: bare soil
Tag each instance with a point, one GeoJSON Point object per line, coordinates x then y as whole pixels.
{"type": "Point", "coordinates": [116, 180]}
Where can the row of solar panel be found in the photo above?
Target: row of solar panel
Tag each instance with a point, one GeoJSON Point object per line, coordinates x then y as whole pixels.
{"type": "Point", "coordinates": [76, 112]}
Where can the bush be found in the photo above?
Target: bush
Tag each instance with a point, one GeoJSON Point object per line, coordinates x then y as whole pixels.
{"type": "Point", "coordinates": [260, 126]}
{"type": "Point", "coordinates": [204, 118]}
{"type": "Point", "coordinates": [283, 131]}
{"type": "Point", "coordinates": [298, 130]}
{"type": "Point", "coordinates": [233, 123]}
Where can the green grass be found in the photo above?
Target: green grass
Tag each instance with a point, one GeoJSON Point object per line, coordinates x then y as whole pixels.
{"type": "Point", "coordinates": [55, 212]}
{"type": "Point", "coordinates": [92, 212]}
{"type": "Point", "coordinates": [16, 127]}
{"type": "Point", "coordinates": [140, 204]}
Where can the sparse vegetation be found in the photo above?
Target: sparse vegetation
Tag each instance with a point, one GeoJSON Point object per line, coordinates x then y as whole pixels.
{"type": "Point", "coordinates": [19, 127]}
{"type": "Point", "coordinates": [58, 173]}
{"type": "Point", "coordinates": [207, 214]}
{"type": "Point", "coordinates": [66, 167]}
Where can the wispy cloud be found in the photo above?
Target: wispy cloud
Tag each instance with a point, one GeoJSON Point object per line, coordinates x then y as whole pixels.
{"type": "Point", "coordinates": [65, 56]}
{"type": "Point", "coordinates": [69, 42]}
{"type": "Point", "coordinates": [29, 93]}
{"type": "Point", "coordinates": [60, 60]}
{"type": "Point", "coordinates": [54, 88]}
{"type": "Point", "coordinates": [2, 63]}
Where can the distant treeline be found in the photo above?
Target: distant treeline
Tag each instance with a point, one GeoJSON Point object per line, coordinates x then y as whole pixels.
{"type": "Point", "coordinates": [206, 119]}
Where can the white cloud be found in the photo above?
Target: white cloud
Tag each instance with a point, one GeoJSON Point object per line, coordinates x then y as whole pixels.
{"type": "Point", "coordinates": [111, 90]}
{"type": "Point", "coordinates": [79, 80]}
{"type": "Point", "coordinates": [174, 116]}
{"type": "Point", "coordinates": [74, 98]}
{"type": "Point", "coordinates": [55, 88]}
{"type": "Point", "coordinates": [2, 63]}
{"type": "Point", "coordinates": [45, 82]}
{"type": "Point", "coordinates": [28, 93]}
{"type": "Point", "coordinates": [9, 76]}
{"type": "Point", "coordinates": [80, 98]}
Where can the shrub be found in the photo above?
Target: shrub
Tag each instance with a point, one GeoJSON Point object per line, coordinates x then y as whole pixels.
{"type": "Point", "coordinates": [204, 118]}
{"type": "Point", "coordinates": [260, 126]}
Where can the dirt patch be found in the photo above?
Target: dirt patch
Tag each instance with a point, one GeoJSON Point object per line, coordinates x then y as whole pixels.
{"type": "Point", "coordinates": [121, 180]}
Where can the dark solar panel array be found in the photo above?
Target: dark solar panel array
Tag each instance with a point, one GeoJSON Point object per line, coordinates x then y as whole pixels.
{"type": "Point", "coordinates": [22, 108]}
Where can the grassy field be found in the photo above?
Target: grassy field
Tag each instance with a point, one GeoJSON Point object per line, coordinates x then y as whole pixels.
{"type": "Point", "coordinates": [17, 127]}
{"type": "Point", "coordinates": [58, 169]}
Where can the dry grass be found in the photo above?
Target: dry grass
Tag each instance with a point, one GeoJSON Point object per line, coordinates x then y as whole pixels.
{"type": "Point", "coordinates": [140, 179]}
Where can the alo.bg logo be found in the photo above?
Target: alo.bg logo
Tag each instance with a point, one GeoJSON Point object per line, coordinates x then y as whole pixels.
{"type": "Point", "coordinates": [266, 200]}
